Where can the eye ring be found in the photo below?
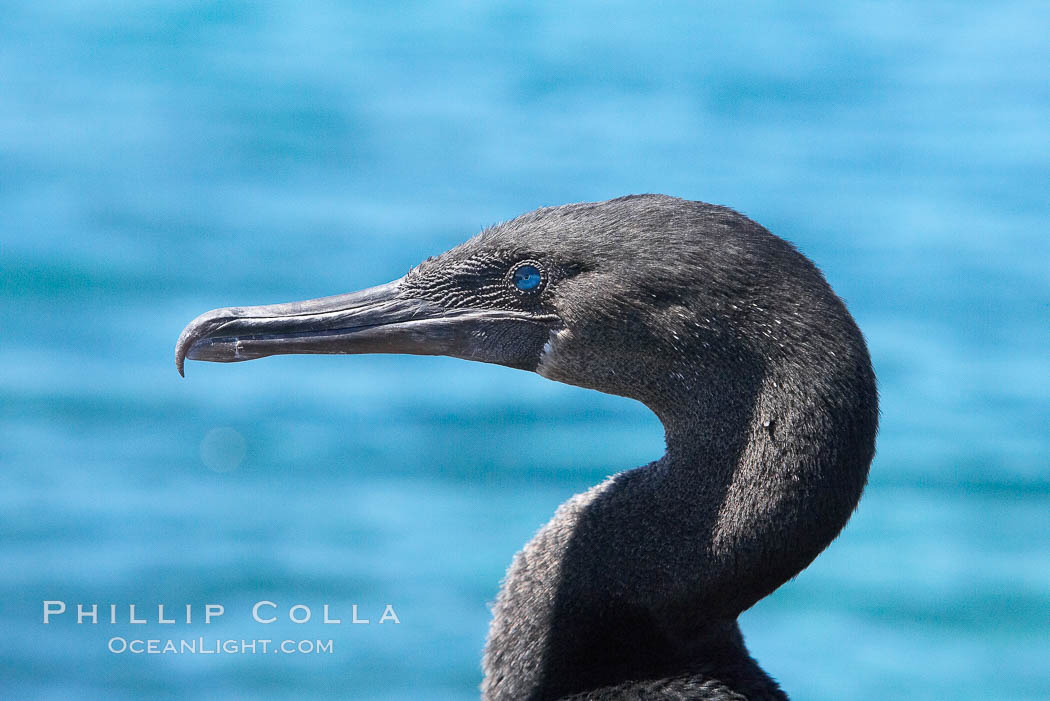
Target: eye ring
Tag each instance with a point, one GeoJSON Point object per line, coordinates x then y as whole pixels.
{"type": "Point", "coordinates": [527, 277]}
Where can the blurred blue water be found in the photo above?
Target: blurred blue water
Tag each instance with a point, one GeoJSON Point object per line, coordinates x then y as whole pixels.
{"type": "Point", "coordinates": [158, 159]}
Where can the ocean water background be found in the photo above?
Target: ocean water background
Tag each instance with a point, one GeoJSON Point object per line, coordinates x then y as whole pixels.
{"type": "Point", "coordinates": [158, 159]}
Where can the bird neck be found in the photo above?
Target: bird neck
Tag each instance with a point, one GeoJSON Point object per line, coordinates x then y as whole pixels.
{"type": "Point", "coordinates": [764, 469]}
{"type": "Point", "coordinates": [643, 576]}
{"type": "Point", "coordinates": [632, 580]}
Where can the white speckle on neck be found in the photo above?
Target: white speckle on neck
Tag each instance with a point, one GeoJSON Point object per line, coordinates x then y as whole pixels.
{"type": "Point", "coordinates": [547, 355]}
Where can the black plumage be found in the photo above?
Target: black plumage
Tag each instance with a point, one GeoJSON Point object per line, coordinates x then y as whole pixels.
{"type": "Point", "coordinates": [733, 338]}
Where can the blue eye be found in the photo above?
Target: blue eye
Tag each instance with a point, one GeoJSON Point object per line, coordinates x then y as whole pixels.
{"type": "Point", "coordinates": [527, 277]}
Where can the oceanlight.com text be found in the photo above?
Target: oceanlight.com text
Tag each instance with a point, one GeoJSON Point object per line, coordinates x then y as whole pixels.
{"type": "Point", "coordinates": [217, 646]}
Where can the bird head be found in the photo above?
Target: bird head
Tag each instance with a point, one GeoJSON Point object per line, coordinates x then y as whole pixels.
{"type": "Point", "coordinates": [634, 297]}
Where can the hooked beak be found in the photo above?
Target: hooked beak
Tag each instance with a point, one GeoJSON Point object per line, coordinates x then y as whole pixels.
{"type": "Point", "coordinates": [381, 319]}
